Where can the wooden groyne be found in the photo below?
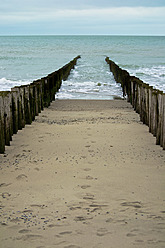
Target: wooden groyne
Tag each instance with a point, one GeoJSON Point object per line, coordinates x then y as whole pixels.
{"type": "Point", "coordinates": [19, 106]}
{"type": "Point", "coordinates": [148, 102]}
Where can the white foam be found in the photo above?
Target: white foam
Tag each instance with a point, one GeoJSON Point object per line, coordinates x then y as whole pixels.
{"type": "Point", "coordinates": [7, 84]}
{"type": "Point", "coordinates": [154, 71]}
{"type": "Point", "coordinates": [75, 74]}
{"type": "Point", "coordinates": [154, 76]}
{"type": "Point", "coordinates": [64, 95]}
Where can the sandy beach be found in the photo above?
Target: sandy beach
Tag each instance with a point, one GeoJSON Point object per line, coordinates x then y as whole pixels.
{"type": "Point", "coordinates": [85, 174]}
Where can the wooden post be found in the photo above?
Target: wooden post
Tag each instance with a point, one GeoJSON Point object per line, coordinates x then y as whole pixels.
{"type": "Point", "coordinates": [160, 119]}
{"type": "Point", "coordinates": [28, 117]}
{"type": "Point", "coordinates": [15, 110]}
{"type": "Point", "coordinates": [2, 134]}
{"type": "Point", "coordinates": [163, 123]}
{"type": "Point", "coordinates": [8, 122]}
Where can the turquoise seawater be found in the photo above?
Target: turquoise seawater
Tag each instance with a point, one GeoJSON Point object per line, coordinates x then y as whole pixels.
{"type": "Point", "coordinates": [27, 58]}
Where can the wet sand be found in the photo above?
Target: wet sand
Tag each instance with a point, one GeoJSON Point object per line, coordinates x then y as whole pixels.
{"type": "Point", "coordinates": [85, 174]}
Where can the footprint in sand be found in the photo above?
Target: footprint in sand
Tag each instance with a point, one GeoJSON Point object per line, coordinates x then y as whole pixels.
{"type": "Point", "coordinates": [131, 234]}
{"type": "Point", "coordinates": [21, 177]}
{"type": "Point", "coordinates": [6, 195]}
{"type": "Point", "coordinates": [135, 204]}
{"type": "Point", "coordinates": [110, 220]}
{"type": "Point", "coordinates": [4, 184]}
{"type": "Point", "coordinates": [85, 186]}
{"type": "Point", "coordinates": [24, 231]}
{"type": "Point", "coordinates": [72, 246]}
{"type": "Point", "coordinates": [59, 243]}
{"type": "Point", "coordinates": [87, 169]}
{"type": "Point", "coordinates": [88, 197]}
{"type": "Point", "coordinates": [65, 233]}
{"type": "Point", "coordinates": [29, 237]}
{"type": "Point", "coordinates": [15, 220]}
{"type": "Point", "coordinates": [90, 150]}
{"type": "Point", "coordinates": [38, 206]}
{"type": "Point", "coordinates": [82, 218]}
{"type": "Point", "coordinates": [102, 232]}
{"type": "Point", "coordinates": [27, 211]}
{"type": "Point", "coordinates": [89, 177]}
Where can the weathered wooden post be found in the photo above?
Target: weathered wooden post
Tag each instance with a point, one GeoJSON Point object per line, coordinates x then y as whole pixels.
{"type": "Point", "coordinates": [38, 96]}
{"type": "Point", "coordinates": [15, 111]}
{"type": "Point", "coordinates": [146, 92]}
{"type": "Point", "coordinates": [163, 123]}
{"type": "Point", "coordinates": [160, 119]}
{"type": "Point", "coordinates": [28, 117]}
{"type": "Point", "coordinates": [2, 129]}
{"type": "Point", "coordinates": [155, 114]}
{"type": "Point", "coordinates": [32, 101]}
{"type": "Point", "coordinates": [150, 108]}
{"type": "Point", "coordinates": [8, 122]}
{"type": "Point", "coordinates": [21, 99]}
{"type": "Point", "coordinates": [45, 83]}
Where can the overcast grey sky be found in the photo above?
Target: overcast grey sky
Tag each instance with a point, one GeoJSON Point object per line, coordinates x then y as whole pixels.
{"type": "Point", "coordinates": [132, 17]}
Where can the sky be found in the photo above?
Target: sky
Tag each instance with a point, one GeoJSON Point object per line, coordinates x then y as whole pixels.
{"type": "Point", "coordinates": [82, 17]}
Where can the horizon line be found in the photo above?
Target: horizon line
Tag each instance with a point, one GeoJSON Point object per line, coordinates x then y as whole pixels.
{"type": "Point", "coordinates": [82, 35]}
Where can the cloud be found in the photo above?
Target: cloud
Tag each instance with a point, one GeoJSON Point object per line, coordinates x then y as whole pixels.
{"type": "Point", "coordinates": [28, 5]}
{"type": "Point", "coordinates": [83, 21]}
{"type": "Point", "coordinates": [109, 14]}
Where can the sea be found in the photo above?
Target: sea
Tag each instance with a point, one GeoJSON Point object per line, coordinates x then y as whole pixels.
{"type": "Point", "coordinates": [24, 59]}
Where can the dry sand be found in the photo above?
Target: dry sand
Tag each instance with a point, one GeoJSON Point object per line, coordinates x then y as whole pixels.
{"type": "Point", "coordinates": [84, 174]}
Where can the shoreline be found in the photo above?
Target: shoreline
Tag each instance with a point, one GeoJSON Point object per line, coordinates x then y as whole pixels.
{"type": "Point", "coordinates": [85, 173]}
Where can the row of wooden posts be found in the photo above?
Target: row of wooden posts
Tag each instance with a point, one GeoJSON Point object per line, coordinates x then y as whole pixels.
{"type": "Point", "coordinates": [148, 102]}
{"type": "Point", "coordinates": [19, 106]}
